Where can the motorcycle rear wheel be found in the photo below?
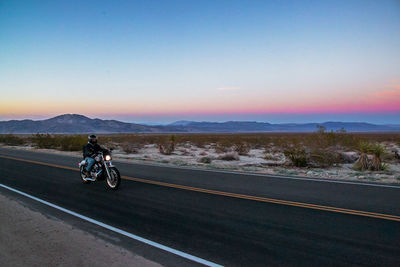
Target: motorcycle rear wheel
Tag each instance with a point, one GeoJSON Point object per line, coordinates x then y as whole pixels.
{"type": "Point", "coordinates": [83, 175]}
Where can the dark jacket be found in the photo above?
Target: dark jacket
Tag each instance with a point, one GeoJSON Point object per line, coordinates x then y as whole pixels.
{"type": "Point", "coordinates": [90, 150]}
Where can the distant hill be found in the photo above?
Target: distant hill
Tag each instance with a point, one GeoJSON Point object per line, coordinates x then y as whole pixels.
{"type": "Point", "coordinates": [72, 123]}
{"type": "Point", "coordinates": [75, 123]}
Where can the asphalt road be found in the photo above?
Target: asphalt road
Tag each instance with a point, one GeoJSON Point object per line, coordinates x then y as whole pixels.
{"type": "Point", "coordinates": [275, 225]}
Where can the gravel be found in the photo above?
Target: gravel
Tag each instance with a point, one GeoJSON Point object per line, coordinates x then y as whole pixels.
{"type": "Point", "coordinates": [28, 238]}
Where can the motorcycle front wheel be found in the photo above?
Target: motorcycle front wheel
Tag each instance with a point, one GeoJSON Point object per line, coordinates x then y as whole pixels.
{"type": "Point", "coordinates": [114, 181]}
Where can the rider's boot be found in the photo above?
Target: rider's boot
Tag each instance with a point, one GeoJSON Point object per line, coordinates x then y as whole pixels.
{"type": "Point", "coordinates": [89, 176]}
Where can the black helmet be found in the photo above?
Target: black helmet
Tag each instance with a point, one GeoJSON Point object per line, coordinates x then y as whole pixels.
{"type": "Point", "coordinates": [92, 139]}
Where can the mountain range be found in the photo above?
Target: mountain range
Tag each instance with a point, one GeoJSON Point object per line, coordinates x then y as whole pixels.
{"type": "Point", "coordinates": [74, 123]}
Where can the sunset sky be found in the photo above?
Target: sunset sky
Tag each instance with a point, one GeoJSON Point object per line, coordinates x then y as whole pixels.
{"type": "Point", "coordinates": [162, 61]}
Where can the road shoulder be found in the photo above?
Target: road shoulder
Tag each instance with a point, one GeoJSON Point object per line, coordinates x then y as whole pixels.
{"type": "Point", "coordinates": [29, 238]}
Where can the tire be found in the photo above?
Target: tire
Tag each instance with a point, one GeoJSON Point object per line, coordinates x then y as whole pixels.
{"type": "Point", "coordinates": [83, 175]}
{"type": "Point", "coordinates": [113, 184]}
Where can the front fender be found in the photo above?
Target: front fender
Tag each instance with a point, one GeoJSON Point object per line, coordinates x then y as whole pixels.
{"type": "Point", "coordinates": [109, 164]}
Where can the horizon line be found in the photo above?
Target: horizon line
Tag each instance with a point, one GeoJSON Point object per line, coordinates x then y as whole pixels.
{"type": "Point", "coordinates": [197, 121]}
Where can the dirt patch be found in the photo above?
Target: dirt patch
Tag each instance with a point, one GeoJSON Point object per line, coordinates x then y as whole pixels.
{"type": "Point", "coordinates": [28, 238]}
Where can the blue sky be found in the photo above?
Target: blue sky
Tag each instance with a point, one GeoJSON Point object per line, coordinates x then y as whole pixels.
{"type": "Point", "coordinates": [160, 61]}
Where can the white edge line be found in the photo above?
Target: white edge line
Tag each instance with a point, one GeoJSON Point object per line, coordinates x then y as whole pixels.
{"type": "Point", "coordinates": [117, 230]}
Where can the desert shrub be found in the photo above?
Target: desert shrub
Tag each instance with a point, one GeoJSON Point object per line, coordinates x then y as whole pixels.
{"type": "Point", "coordinates": [206, 160]}
{"type": "Point", "coordinates": [297, 156]}
{"type": "Point", "coordinates": [277, 141]}
{"type": "Point", "coordinates": [62, 142]}
{"type": "Point", "coordinates": [327, 140]}
{"type": "Point", "coordinates": [315, 144]}
{"type": "Point", "coordinates": [222, 147]}
{"type": "Point", "coordinates": [71, 142]}
{"type": "Point", "coordinates": [11, 140]}
{"type": "Point", "coordinates": [131, 148]}
{"type": "Point", "coordinates": [364, 162]}
{"type": "Point", "coordinates": [242, 148]}
{"type": "Point", "coordinates": [323, 158]}
{"type": "Point", "coordinates": [198, 140]}
{"type": "Point", "coordinates": [350, 141]}
{"type": "Point", "coordinates": [259, 141]}
{"type": "Point", "coordinates": [378, 151]}
{"type": "Point", "coordinates": [44, 141]}
{"type": "Point", "coordinates": [172, 138]}
{"type": "Point", "coordinates": [224, 143]}
{"type": "Point", "coordinates": [229, 156]}
{"type": "Point", "coordinates": [167, 147]}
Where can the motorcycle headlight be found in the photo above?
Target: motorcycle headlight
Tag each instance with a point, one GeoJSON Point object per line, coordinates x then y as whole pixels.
{"type": "Point", "coordinates": [107, 157]}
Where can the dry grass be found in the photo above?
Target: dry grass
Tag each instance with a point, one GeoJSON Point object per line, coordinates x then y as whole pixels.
{"type": "Point", "coordinates": [257, 140]}
{"type": "Point", "coordinates": [318, 148]}
{"type": "Point", "coordinates": [254, 140]}
{"type": "Point", "coordinates": [11, 140]}
{"type": "Point", "coordinates": [62, 142]}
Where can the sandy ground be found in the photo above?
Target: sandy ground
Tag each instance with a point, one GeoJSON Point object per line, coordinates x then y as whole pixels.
{"type": "Point", "coordinates": [28, 238]}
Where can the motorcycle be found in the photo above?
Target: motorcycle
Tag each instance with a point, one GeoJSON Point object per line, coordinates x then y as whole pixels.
{"type": "Point", "coordinates": [103, 169]}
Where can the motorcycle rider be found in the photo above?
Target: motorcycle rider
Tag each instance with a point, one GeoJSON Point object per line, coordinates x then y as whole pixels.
{"type": "Point", "coordinates": [90, 150]}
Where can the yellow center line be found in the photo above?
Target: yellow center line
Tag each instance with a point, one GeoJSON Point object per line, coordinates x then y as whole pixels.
{"type": "Point", "coordinates": [233, 195]}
